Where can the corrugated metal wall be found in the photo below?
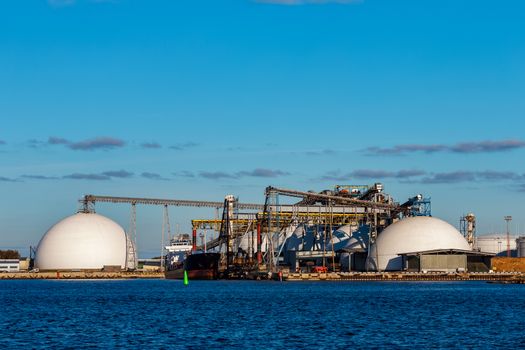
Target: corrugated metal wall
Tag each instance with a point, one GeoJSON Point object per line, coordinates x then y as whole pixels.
{"type": "Point", "coordinates": [447, 263]}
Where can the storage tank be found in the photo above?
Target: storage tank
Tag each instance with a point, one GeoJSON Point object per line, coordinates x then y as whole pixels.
{"type": "Point", "coordinates": [413, 234]}
{"type": "Point", "coordinates": [354, 249]}
{"type": "Point", "coordinates": [520, 246]}
{"type": "Point", "coordinates": [84, 241]}
{"type": "Point", "coordinates": [358, 238]}
{"type": "Point", "coordinates": [495, 243]}
{"type": "Point", "coordinates": [340, 237]}
{"type": "Point", "coordinates": [310, 237]}
{"type": "Point", "coordinates": [304, 238]}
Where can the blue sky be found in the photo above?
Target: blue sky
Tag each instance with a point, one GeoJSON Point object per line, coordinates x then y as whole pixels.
{"type": "Point", "coordinates": [199, 99]}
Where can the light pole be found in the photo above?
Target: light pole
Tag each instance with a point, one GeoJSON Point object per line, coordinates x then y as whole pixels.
{"type": "Point", "coordinates": [508, 219]}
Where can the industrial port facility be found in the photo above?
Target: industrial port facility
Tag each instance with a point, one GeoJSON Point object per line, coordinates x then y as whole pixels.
{"type": "Point", "coordinates": [350, 232]}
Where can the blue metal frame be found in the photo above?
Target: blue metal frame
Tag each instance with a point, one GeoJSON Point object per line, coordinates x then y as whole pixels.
{"type": "Point", "coordinates": [421, 207]}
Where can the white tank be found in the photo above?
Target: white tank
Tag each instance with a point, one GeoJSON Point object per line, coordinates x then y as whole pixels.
{"type": "Point", "coordinates": [412, 234]}
{"type": "Point", "coordinates": [358, 242]}
{"type": "Point", "coordinates": [339, 238]}
{"type": "Point", "coordinates": [82, 241]}
{"type": "Point", "coordinates": [350, 237]}
{"type": "Point", "coordinates": [304, 237]}
{"type": "Point", "coordinates": [495, 243]}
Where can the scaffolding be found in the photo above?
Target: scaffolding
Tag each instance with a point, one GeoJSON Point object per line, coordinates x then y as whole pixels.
{"type": "Point", "coordinates": [253, 236]}
{"type": "Point", "coordinates": [277, 222]}
{"type": "Point", "coordinates": [467, 227]}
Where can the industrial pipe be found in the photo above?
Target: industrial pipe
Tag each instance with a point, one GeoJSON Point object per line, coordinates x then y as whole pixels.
{"type": "Point", "coordinates": [259, 243]}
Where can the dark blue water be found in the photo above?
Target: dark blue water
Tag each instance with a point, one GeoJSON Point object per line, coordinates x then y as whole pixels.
{"type": "Point", "coordinates": [162, 314]}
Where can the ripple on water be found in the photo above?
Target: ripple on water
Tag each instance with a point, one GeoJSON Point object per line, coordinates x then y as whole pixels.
{"type": "Point", "coordinates": [259, 315]}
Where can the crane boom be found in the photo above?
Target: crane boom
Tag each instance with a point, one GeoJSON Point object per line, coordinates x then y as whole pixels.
{"type": "Point", "coordinates": [335, 199]}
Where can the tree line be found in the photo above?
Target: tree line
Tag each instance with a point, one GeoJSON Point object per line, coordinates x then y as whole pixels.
{"type": "Point", "coordinates": [9, 254]}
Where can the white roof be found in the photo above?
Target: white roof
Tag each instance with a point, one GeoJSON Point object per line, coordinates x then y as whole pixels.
{"type": "Point", "coordinates": [413, 234]}
{"type": "Point", "coordinates": [82, 241]}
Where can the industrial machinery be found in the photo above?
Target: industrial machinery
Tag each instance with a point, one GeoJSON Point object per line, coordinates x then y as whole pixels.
{"type": "Point", "coordinates": [467, 224]}
{"type": "Point", "coordinates": [256, 237]}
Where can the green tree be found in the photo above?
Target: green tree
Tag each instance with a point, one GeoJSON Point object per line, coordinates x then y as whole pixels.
{"type": "Point", "coordinates": [9, 254]}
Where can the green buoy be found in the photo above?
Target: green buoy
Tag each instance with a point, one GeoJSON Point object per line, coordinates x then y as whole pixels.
{"type": "Point", "coordinates": [186, 282]}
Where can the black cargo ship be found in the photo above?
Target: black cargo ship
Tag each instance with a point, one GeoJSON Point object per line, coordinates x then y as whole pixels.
{"type": "Point", "coordinates": [199, 266]}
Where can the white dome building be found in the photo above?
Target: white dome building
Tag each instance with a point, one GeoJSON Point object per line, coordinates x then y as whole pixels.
{"type": "Point", "coordinates": [303, 238]}
{"type": "Point", "coordinates": [354, 248]}
{"type": "Point", "coordinates": [349, 238]}
{"type": "Point", "coordinates": [413, 234]}
{"type": "Point", "coordinates": [84, 241]}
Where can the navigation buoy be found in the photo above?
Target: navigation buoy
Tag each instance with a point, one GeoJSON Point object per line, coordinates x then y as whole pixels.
{"type": "Point", "coordinates": [186, 282]}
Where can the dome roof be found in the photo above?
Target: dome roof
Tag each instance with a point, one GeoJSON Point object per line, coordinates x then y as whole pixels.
{"type": "Point", "coordinates": [412, 234]}
{"type": "Point", "coordinates": [339, 238]}
{"type": "Point", "coordinates": [350, 237]}
{"type": "Point", "coordinates": [82, 241]}
{"type": "Point", "coordinates": [309, 237]}
{"type": "Point", "coordinates": [301, 237]}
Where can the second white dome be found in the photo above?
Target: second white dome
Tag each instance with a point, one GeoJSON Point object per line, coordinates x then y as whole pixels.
{"type": "Point", "coordinates": [409, 235]}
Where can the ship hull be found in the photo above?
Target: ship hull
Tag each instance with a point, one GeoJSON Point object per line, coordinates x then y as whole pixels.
{"type": "Point", "coordinates": [203, 266]}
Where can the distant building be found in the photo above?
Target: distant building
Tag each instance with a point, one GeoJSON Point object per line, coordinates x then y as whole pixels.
{"type": "Point", "coordinates": [24, 264]}
{"type": "Point", "coordinates": [446, 260]}
{"type": "Point", "coordinates": [9, 265]}
{"type": "Point", "coordinates": [149, 264]}
{"type": "Point", "coordinates": [496, 243]}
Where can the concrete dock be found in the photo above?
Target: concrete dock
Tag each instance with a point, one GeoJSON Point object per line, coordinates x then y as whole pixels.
{"type": "Point", "coordinates": [503, 277]}
{"type": "Point", "coordinates": [402, 276]}
{"type": "Point", "coordinates": [81, 275]}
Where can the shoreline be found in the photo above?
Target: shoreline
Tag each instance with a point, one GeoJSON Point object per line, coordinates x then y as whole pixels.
{"type": "Point", "coordinates": [80, 275]}
{"type": "Point", "coordinates": [510, 277]}
{"type": "Point", "coordinates": [499, 277]}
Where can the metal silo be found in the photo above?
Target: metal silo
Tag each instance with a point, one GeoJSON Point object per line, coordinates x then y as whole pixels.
{"type": "Point", "coordinates": [520, 246]}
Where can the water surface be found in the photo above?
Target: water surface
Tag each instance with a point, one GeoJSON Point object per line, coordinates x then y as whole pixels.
{"type": "Point", "coordinates": [165, 314]}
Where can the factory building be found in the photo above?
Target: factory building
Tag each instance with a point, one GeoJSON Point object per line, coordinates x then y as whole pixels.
{"type": "Point", "coordinates": [415, 244]}
{"type": "Point", "coordinates": [352, 228]}
{"type": "Point", "coordinates": [446, 260]}
{"type": "Point", "coordinates": [9, 265]}
{"type": "Point", "coordinates": [84, 241]}
{"type": "Point", "coordinates": [348, 243]}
